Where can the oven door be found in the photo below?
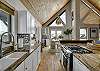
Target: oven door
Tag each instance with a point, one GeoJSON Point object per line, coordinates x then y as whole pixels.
{"type": "Point", "coordinates": [68, 62]}
{"type": "Point", "coordinates": [65, 62]}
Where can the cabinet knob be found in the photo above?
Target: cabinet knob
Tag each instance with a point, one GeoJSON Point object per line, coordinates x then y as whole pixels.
{"type": "Point", "coordinates": [26, 68]}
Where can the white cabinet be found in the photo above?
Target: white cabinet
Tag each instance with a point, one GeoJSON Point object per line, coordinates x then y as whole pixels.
{"type": "Point", "coordinates": [22, 21]}
{"type": "Point", "coordinates": [31, 62]}
{"type": "Point", "coordinates": [28, 63]}
{"type": "Point", "coordinates": [35, 60]}
{"type": "Point", "coordinates": [39, 54]}
{"type": "Point", "coordinates": [78, 66]}
{"type": "Point", "coordinates": [20, 67]}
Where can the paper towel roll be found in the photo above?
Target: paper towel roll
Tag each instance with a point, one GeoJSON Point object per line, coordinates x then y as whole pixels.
{"type": "Point", "coordinates": [20, 41]}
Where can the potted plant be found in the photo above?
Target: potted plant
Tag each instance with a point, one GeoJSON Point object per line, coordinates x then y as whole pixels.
{"type": "Point", "coordinates": [68, 32]}
{"type": "Point", "coordinates": [60, 36]}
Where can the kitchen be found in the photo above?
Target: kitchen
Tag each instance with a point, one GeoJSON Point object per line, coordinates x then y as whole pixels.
{"type": "Point", "coordinates": [65, 31]}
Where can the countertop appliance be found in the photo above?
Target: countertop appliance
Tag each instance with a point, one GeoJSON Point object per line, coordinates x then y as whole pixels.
{"type": "Point", "coordinates": [68, 52]}
{"type": "Point", "coordinates": [23, 41]}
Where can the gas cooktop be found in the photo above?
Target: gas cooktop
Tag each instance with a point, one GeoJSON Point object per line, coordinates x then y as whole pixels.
{"type": "Point", "coordinates": [78, 49]}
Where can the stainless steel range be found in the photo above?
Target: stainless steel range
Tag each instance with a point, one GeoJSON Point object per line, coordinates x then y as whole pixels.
{"type": "Point", "coordinates": [68, 52]}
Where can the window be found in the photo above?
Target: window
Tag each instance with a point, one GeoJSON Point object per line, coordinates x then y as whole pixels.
{"type": "Point", "coordinates": [53, 34]}
{"type": "Point", "coordinates": [59, 33]}
{"type": "Point", "coordinates": [5, 23]}
{"type": "Point", "coordinates": [63, 17]}
{"type": "Point", "coordinates": [83, 33]}
{"type": "Point", "coordinates": [3, 27]}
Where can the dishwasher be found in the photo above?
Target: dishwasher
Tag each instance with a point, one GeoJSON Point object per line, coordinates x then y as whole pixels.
{"type": "Point", "coordinates": [67, 60]}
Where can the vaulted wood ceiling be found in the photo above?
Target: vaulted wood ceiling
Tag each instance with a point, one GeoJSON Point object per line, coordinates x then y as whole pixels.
{"type": "Point", "coordinates": [44, 9]}
{"type": "Point", "coordinates": [96, 3]}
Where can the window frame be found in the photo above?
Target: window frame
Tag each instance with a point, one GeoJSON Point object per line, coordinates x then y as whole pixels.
{"type": "Point", "coordinates": [86, 33]}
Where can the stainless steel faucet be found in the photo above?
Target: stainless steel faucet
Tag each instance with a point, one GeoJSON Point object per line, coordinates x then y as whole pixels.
{"type": "Point", "coordinates": [1, 41]}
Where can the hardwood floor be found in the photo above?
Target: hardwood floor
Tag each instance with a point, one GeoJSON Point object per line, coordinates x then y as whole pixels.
{"type": "Point", "coordinates": [49, 61]}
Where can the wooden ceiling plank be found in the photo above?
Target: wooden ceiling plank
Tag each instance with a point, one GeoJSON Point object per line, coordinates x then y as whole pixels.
{"type": "Point", "coordinates": [85, 15]}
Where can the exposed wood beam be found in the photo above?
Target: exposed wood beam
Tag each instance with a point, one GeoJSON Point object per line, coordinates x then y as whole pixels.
{"type": "Point", "coordinates": [56, 15]}
{"type": "Point", "coordinates": [85, 15]}
{"type": "Point", "coordinates": [89, 5]}
{"type": "Point", "coordinates": [95, 3]}
{"type": "Point", "coordinates": [62, 22]}
{"type": "Point", "coordinates": [4, 6]}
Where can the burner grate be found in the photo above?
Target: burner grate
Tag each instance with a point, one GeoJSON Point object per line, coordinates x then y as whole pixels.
{"type": "Point", "coordinates": [78, 49]}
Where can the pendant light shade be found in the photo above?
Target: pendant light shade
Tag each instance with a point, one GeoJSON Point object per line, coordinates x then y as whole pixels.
{"type": "Point", "coordinates": [58, 20]}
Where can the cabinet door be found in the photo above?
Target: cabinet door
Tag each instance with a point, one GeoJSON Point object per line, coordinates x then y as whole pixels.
{"type": "Point", "coordinates": [39, 54]}
{"type": "Point", "coordinates": [75, 64]}
{"type": "Point", "coordinates": [34, 58]}
{"type": "Point", "coordinates": [82, 67]}
{"type": "Point", "coordinates": [20, 67]}
{"type": "Point", "coordinates": [78, 66]}
{"type": "Point", "coordinates": [28, 63]}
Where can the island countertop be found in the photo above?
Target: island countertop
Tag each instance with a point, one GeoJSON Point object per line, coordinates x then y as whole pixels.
{"type": "Point", "coordinates": [91, 61]}
{"type": "Point", "coordinates": [8, 62]}
{"type": "Point", "coordinates": [75, 41]}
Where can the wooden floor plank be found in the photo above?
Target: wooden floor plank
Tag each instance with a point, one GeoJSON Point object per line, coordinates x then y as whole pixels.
{"type": "Point", "coordinates": [49, 62]}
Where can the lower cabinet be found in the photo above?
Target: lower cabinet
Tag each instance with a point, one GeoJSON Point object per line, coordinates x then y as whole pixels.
{"type": "Point", "coordinates": [78, 66]}
{"type": "Point", "coordinates": [35, 60]}
{"type": "Point", "coordinates": [20, 67]}
{"type": "Point", "coordinates": [28, 63]}
{"type": "Point", "coordinates": [31, 62]}
{"type": "Point", "coordinates": [39, 55]}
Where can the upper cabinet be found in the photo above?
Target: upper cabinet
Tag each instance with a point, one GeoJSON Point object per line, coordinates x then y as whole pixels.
{"type": "Point", "coordinates": [26, 22]}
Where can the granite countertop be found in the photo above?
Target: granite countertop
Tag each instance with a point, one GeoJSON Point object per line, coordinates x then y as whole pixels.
{"type": "Point", "coordinates": [91, 61]}
{"type": "Point", "coordinates": [95, 49]}
{"type": "Point", "coordinates": [7, 61]}
{"type": "Point", "coordinates": [9, 64]}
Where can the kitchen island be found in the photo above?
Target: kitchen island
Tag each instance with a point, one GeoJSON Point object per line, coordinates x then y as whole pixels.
{"type": "Point", "coordinates": [83, 60]}
{"type": "Point", "coordinates": [91, 61]}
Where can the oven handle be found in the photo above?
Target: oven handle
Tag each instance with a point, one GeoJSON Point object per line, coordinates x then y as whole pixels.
{"type": "Point", "coordinates": [65, 56]}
